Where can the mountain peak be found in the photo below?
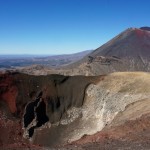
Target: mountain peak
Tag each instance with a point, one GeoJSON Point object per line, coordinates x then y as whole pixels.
{"type": "Point", "coordinates": [133, 43]}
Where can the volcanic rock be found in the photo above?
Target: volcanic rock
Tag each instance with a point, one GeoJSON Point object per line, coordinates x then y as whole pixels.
{"type": "Point", "coordinates": [56, 109]}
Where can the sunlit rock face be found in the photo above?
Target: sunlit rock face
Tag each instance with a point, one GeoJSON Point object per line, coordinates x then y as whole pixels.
{"type": "Point", "coordinates": [114, 94]}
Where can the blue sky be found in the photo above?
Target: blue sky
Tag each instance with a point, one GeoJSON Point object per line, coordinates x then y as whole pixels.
{"type": "Point", "coordinates": [66, 26]}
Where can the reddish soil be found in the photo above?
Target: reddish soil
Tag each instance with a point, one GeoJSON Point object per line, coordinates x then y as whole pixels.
{"type": "Point", "coordinates": [10, 98]}
{"type": "Point", "coordinates": [10, 129]}
{"type": "Point", "coordinates": [12, 135]}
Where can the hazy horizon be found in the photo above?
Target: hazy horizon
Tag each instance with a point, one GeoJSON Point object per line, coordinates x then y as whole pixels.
{"type": "Point", "coordinates": [53, 27]}
{"type": "Point", "coordinates": [26, 54]}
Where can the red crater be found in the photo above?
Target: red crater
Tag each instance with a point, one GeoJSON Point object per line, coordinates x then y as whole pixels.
{"type": "Point", "coordinates": [140, 33]}
{"type": "Point", "coordinates": [8, 92]}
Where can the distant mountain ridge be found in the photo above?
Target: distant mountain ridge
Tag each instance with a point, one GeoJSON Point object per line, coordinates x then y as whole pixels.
{"type": "Point", "coordinates": [9, 61]}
